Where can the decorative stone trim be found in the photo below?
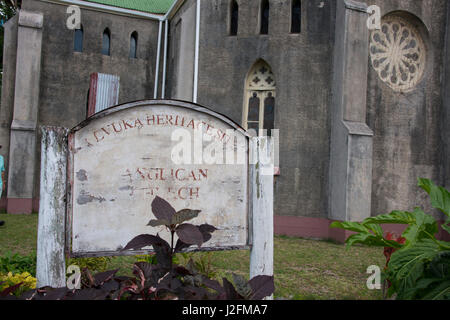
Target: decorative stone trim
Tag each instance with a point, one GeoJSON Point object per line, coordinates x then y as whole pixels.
{"type": "Point", "coordinates": [355, 5]}
{"type": "Point", "coordinates": [31, 19]}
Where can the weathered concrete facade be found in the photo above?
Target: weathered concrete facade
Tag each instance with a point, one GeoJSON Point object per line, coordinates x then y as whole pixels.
{"type": "Point", "coordinates": [407, 126]}
{"type": "Point", "coordinates": [353, 141]}
{"type": "Point", "coordinates": [302, 65]}
{"type": "Point", "coordinates": [64, 81]}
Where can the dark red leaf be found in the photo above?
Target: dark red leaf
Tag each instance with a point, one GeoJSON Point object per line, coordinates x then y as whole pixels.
{"type": "Point", "coordinates": [89, 294]}
{"type": "Point", "coordinates": [262, 286]}
{"type": "Point", "coordinates": [182, 271]}
{"type": "Point", "coordinates": [141, 241]}
{"type": "Point", "coordinates": [162, 209]}
{"type": "Point", "coordinates": [145, 267]}
{"type": "Point", "coordinates": [189, 234]}
{"type": "Point", "coordinates": [212, 284]}
{"type": "Point", "coordinates": [54, 294]}
{"type": "Point", "coordinates": [206, 231]}
{"type": "Point", "coordinates": [181, 245]}
{"type": "Point", "coordinates": [230, 291]}
{"type": "Point", "coordinates": [9, 290]}
{"type": "Point", "coordinates": [207, 228]}
{"type": "Point", "coordinates": [101, 278]}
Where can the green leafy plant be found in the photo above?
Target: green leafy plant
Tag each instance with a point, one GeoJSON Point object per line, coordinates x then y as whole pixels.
{"type": "Point", "coordinates": [17, 263]}
{"type": "Point", "coordinates": [150, 258]}
{"type": "Point", "coordinates": [165, 280]}
{"type": "Point", "coordinates": [97, 264]}
{"type": "Point", "coordinates": [418, 265]}
{"type": "Point", "coordinates": [202, 262]}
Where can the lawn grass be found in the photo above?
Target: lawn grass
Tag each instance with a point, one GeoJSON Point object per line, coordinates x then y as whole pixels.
{"type": "Point", "coordinates": [303, 269]}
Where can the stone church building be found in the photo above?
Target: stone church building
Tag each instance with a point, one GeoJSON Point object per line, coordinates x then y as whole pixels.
{"type": "Point", "coordinates": [362, 113]}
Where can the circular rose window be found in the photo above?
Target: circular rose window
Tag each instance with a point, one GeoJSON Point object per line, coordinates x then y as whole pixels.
{"type": "Point", "coordinates": [398, 53]}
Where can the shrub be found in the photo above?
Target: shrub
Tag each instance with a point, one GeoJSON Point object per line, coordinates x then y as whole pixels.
{"type": "Point", "coordinates": [18, 264]}
{"type": "Point", "coordinates": [164, 280]}
{"type": "Point", "coordinates": [417, 264]}
{"type": "Point", "coordinates": [98, 264]}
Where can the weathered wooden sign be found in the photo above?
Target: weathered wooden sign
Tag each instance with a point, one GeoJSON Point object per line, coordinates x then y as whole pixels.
{"type": "Point", "coordinates": [98, 182]}
{"type": "Point", "coordinates": [125, 157]}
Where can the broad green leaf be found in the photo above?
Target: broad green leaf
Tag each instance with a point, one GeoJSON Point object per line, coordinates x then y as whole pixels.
{"type": "Point", "coordinates": [412, 293]}
{"type": "Point", "coordinates": [395, 217]}
{"type": "Point", "coordinates": [351, 226]}
{"type": "Point", "coordinates": [425, 184]}
{"type": "Point", "coordinates": [371, 240]}
{"type": "Point", "coordinates": [423, 227]}
{"type": "Point", "coordinates": [440, 266]}
{"type": "Point", "coordinates": [407, 265]}
{"type": "Point", "coordinates": [446, 226]}
{"type": "Point", "coordinates": [441, 292]}
{"type": "Point", "coordinates": [376, 229]}
{"type": "Point", "coordinates": [440, 197]}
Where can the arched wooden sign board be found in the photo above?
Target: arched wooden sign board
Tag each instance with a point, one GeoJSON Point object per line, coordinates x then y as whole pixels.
{"type": "Point", "coordinates": [121, 159]}
{"type": "Point", "coordinates": [112, 166]}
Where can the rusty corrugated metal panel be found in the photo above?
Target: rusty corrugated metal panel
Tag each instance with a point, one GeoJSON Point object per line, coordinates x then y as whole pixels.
{"type": "Point", "coordinates": [104, 92]}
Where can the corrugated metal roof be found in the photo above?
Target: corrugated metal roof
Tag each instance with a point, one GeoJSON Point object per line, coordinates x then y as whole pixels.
{"type": "Point", "coordinates": [150, 6]}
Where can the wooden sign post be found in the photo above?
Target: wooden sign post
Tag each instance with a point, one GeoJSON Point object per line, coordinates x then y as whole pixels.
{"type": "Point", "coordinates": [99, 179]}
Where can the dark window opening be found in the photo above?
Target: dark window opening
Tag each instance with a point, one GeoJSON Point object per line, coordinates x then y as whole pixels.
{"type": "Point", "coordinates": [78, 40]}
{"type": "Point", "coordinates": [87, 103]}
{"type": "Point", "coordinates": [133, 45]}
{"type": "Point", "coordinates": [296, 21]}
{"type": "Point", "coordinates": [269, 114]}
{"type": "Point", "coordinates": [106, 45]}
{"type": "Point", "coordinates": [264, 17]}
{"type": "Point", "coordinates": [253, 108]}
{"type": "Point", "coordinates": [234, 18]}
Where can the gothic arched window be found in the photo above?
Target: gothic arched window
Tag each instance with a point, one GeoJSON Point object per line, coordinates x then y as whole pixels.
{"type": "Point", "coordinates": [234, 18]}
{"type": "Point", "coordinates": [296, 16]}
{"type": "Point", "coordinates": [259, 106]}
{"type": "Point", "coordinates": [133, 45]}
{"type": "Point", "coordinates": [78, 40]}
{"type": "Point", "coordinates": [106, 44]}
{"type": "Point", "coordinates": [264, 17]}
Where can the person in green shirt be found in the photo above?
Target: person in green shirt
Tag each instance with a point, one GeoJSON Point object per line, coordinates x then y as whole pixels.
{"type": "Point", "coordinates": [2, 180]}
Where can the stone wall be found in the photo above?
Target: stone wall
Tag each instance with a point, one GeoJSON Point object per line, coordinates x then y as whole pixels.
{"type": "Point", "coordinates": [406, 125]}
{"type": "Point", "coordinates": [65, 74]}
{"type": "Point", "coordinates": [302, 65]}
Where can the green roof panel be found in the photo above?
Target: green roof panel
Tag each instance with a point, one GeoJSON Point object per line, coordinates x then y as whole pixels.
{"type": "Point", "coordinates": [150, 6]}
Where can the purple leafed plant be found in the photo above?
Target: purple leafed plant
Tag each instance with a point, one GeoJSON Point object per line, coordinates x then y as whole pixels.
{"type": "Point", "coordinates": [164, 280]}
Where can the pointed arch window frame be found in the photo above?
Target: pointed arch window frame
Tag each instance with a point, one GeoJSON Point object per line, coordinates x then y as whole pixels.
{"type": "Point", "coordinates": [263, 92]}
{"type": "Point", "coordinates": [106, 51]}
{"type": "Point", "coordinates": [133, 51]}
{"type": "Point", "coordinates": [78, 39]}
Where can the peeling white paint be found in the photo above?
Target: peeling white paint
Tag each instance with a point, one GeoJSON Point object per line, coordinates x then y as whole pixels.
{"type": "Point", "coordinates": [126, 157]}
{"type": "Point", "coordinates": [50, 268]}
